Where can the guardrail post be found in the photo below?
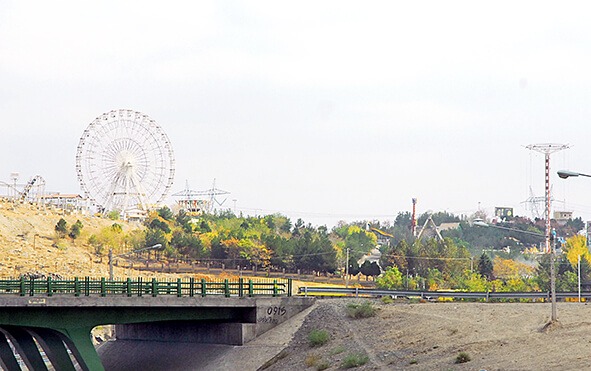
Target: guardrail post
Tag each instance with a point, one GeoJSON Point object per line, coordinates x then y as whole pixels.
{"type": "Point", "coordinates": [86, 286]}
{"type": "Point", "coordinates": [128, 287]}
{"type": "Point", "coordinates": [32, 287]}
{"type": "Point", "coordinates": [49, 287]}
{"type": "Point", "coordinates": [140, 287]}
{"type": "Point", "coordinates": [22, 287]}
{"type": "Point", "coordinates": [192, 286]}
{"type": "Point", "coordinates": [487, 295]}
{"type": "Point", "coordinates": [203, 288]}
{"type": "Point", "coordinates": [275, 288]}
{"type": "Point", "coordinates": [103, 287]}
{"type": "Point", "coordinates": [250, 288]}
{"type": "Point", "coordinates": [226, 288]}
{"type": "Point", "coordinates": [154, 287]}
{"type": "Point", "coordinates": [179, 290]}
{"type": "Point", "coordinates": [240, 287]}
{"type": "Point", "coordinates": [76, 286]}
{"type": "Point", "coordinates": [356, 292]}
{"type": "Point", "coordinates": [289, 286]}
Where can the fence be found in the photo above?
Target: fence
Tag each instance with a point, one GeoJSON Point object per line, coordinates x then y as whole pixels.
{"type": "Point", "coordinates": [128, 287]}
{"type": "Point", "coordinates": [332, 291]}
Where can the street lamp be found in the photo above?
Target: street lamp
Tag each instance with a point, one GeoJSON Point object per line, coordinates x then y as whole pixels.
{"type": "Point", "coordinates": [567, 173]}
{"type": "Point", "coordinates": [552, 259]}
{"type": "Point", "coordinates": [111, 257]}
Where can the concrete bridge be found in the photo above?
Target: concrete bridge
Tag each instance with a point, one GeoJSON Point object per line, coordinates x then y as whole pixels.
{"type": "Point", "coordinates": [56, 329]}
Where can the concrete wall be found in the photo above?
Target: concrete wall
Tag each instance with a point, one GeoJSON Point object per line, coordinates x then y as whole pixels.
{"type": "Point", "coordinates": [266, 314]}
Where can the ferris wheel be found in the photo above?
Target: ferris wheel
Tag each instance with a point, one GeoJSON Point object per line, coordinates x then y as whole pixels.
{"type": "Point", "coordinates": [124, 162]}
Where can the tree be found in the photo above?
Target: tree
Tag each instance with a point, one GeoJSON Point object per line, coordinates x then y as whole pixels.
{"type": "Point", "coordinates": [354, 268]}
{"type": "Point", "coordinates": [370, 269]}
{"type": "Point", "coordinates": [159, 224]}
{"type": "Point", "coordinates": [114, 215]}
{"type": "Point", "coordinates": [61, 228]}
{"type": "Point", "coordinates": [485, 266]}
{"type": "Point", "coordinates": [576, 246]}
{"type": "Point", "coordinates": [165, 213]}
{"type": "Point", "coordinates": [390, 280]}
{"type": "Point", "coordinates": [76, 230]}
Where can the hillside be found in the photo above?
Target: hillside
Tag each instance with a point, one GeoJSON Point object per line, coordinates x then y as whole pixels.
{"type": "Point", "coordinates": [29, 245]}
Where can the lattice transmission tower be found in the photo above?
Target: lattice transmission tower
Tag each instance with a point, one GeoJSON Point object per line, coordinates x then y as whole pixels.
{"type": "Point", "coordinates": [547, 149]}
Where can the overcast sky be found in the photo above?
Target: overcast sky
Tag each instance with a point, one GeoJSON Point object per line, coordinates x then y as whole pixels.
{"type": "Point", "coordinates": [324, 110]}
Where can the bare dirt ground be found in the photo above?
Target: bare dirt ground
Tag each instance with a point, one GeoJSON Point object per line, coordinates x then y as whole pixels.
{"type": "Point", "coordinates": [429, 336]}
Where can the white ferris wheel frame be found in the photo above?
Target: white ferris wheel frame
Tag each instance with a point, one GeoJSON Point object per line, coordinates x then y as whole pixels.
{"type": "Point", "coordinates": [125, 162]}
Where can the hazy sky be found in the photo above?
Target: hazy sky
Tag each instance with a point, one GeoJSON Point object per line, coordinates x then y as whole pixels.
{"type": "Point", "coordinates": [324, 110]}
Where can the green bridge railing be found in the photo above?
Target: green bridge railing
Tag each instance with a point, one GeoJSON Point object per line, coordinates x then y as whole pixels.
{"type": "Point", "coordinates": [139, 287]}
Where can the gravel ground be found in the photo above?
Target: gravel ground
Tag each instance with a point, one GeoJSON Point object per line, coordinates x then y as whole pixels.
{"type": "Point", "coordinates": [430, 336]}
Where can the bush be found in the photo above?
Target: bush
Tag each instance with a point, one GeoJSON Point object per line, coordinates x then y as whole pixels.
{"type": "Point", "coordinates": [311, 360]}
{"type": "Point", "coordinates": [355, 360]}
{"type": "Point", "coordinates": [463, 358]}
{"type": "Point", "coordinates": [318, 338]}
{"type": "Point", "coordinates": [364, 310]}
{"type": "Point", "coordinates": [322, 365]}
{"type": "Point", "coordinates": [387, 300]}
{"type": "Point", "coordinates": [338, 350]}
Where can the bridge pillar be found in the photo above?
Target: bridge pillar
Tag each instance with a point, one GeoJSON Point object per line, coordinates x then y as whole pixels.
{"type": "Point", "coordinates": [54, 348]}
{"type": "Point", "coordinates": [7, 358]}
{"type": "Point", "coordinates": [78, 341]}
{"type": "Point", "coordinates": [26, 347]}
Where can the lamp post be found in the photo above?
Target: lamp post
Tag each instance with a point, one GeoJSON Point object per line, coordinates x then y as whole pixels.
{"type": "Point", "coordinates": [567, 174]}
{"type": "Point", "coordinates": [111, 257]}
{"type": "Point", "coordinates": [552, 259]}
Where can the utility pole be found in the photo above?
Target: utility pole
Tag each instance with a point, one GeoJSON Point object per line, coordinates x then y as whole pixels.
{"type": "Point", "coordinates": [553, 276]}
{"type": "Point", "coordinates": [413, 222]}
{"type": "Point", "coordinates": [547, 149]}
{"type": "Point", "coordinates": [347, 270]}
{"type": "Point", "coordinates": [579, 274]}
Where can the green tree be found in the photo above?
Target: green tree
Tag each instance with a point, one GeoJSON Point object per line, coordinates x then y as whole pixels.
{"type": "Point", "coordinates": [165, 213]}
{"type": "Point", "coordinates": [156, 236]}
{"type": "Point", "coordinates": [370, 269]}
{"type": "Point", "coordinates": [75, 230]}
{"type": "Point", "coordinates": [114, 214]}
{"type": "Point", "coordinates": [354, 267]}
{"type": "Point", "coordinates": [390, 280]}
{"type": "Point", "coordinates": [61, 228]}
{"type": "Point", "coordinates": [159, 224]}
{"type": "Point", "coordinates": [485, 266]}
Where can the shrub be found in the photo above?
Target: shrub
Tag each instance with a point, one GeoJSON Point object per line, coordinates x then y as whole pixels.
{"type": "Point", "coordinates": [387, 300]}
{"type": "Point", "coordinates": [318, 338]}
{"type": "Point", "coordinates": [322, 365]}
{"type": "Point", "coordinates": [338, 350]}
{"type": "Point", "coordinates": [311, 360]}
{"type": "Point", "coordinates": [355, 360]}
{"type": "Point", "coordinates": [364, 310]}
{"type": "Point", "coordinates": [463, 357]}
{"type": "Point", "coordinates": [61, 228]}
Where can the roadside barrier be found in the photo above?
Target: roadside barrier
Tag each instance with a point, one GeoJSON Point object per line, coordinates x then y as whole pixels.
{"type": "Point", "coordinates": [139, 287]}
{"type": "Point", "coordinates": [428, 295]}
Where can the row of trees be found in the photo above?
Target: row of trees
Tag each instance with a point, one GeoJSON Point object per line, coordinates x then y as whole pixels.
{"type": "Point", "coordinates": [273, 241]}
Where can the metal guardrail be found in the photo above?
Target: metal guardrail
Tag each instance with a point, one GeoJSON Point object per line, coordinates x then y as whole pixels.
{"type": "Point", "coordinates": [128, 287]}
{"type": "Point", "coordinates": [318, 291]}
